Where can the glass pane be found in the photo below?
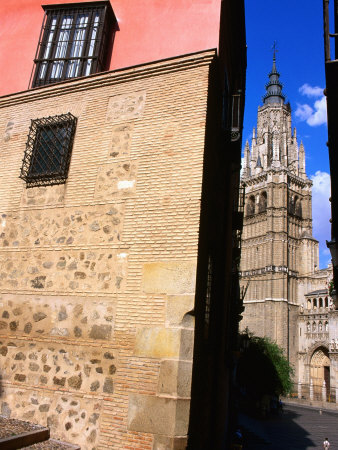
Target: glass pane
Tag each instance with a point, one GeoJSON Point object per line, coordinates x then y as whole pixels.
{"type": "Point", "coordinates": [46, 54]}
{"type": "Point", "coordinates": [92, 43]}
{"type": "Point", "coordinates": [77, 45]}
{"type": "Point", "coordinates": [49, 151]}
{"type": "Point", "coordinates": [61, 46]}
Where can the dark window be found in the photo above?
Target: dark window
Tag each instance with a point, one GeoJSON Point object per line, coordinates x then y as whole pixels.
{"type": "Point", "coordinates": [263, 201]}
{"type": "Point", "coordinates": [250, 209]}
{"type": "Point", "coordinates": [74, 41]}
{"type": "Point", "coordinates": [295, 206]}
{"type": "Point", "coordinates": [48, 150]}
{"type": "Point", "coordinates": [291, 205]}
{"type": "Point", "coordinates": [298, 207]}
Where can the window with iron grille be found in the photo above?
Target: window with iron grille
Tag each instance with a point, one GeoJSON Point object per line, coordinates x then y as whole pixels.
{"type": "Point", "coordinates": [75, 41]}
{"type": "Point", "coordinates": [48, 150]}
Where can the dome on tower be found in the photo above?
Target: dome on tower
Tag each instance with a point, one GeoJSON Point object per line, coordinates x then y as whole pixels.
{"type": "Point", "coordinates": [274, 87]}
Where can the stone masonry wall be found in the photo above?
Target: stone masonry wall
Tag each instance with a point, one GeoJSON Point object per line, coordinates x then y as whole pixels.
{"type": "Point", "coordinates": [97, 276]}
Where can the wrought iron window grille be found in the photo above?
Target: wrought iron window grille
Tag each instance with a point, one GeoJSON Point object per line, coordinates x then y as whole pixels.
{"type": "Point", "coordinates": [48, 150]}
{"type": "Point", "coordinates": [75, 41]}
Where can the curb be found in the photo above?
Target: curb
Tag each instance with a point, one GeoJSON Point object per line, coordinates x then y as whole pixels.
{"type": "Point", "coordinates": [313, 407]}
{"type": "Point", "coordinates": [24, 439]}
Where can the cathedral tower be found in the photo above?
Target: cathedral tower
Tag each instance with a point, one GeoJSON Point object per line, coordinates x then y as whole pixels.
{"type": "Point", "coordinates": [277, 242]}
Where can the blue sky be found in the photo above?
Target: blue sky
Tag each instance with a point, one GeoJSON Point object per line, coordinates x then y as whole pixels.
{"type": "Point", "coordinates": [297, 27]}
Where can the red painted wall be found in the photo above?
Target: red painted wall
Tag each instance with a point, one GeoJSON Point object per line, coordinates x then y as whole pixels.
{"type": "Point", "coordinates": [149, 30]}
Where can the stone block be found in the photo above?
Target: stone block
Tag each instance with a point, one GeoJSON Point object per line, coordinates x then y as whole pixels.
{"type": "Point", "coordinates": [126, 106]}
{"type": "Point", "coordinates": [43, 195]}
{"type": "Point", "coordinates": [169, 443]}
{"type": "Point", "coordinates": [116, 180]}
{"type": "Point", "coordinates": [158, 415]}
{"type": "Point", "coordinates": [187, 344]}
{"type": "Point", "coordinates": [70, 418]}
{"type": "Point", "coordinates": [79, 317]}
{"type": "Point", "coordinates": [158, 342]}
{"type": "Point", "coordinates": [175, 378]}
{"type": "Point", "coordinates": [77, 368]}
{"type": "Point", "coordinates": [170, 277]}
{"type": "Point", "coordinates": [177, 307]}
{"type": "Point", "coordinates": [70, 271]}
{"type": "Point", "coordinates": [91, 224]}
{"type": "Point", "coordinates": [120, 141]}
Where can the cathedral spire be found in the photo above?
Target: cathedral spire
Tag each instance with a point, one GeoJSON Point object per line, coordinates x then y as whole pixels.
{"type": "Point", "coordinates": [274, 87]}
{"type": "Point", "coordinates": [302, 160]}
{"type": "Point", "coordinates": [246, 165]}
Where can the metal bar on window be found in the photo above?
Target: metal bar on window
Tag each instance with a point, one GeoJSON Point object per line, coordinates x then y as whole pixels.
{"type": "Point", "coordinates": [86, 37]}
{"type": "Point", "coordinates": [55, 39]}
{"type": "Point", "coordinates": [48, 150]}
{"type": "Point", "coordinates": [72, 42]}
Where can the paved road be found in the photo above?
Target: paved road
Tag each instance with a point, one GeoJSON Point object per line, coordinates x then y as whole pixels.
{"type": "Point", "coordinates": [298, 428]}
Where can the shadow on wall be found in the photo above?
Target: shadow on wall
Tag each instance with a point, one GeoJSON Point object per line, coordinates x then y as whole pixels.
{"type": "Point", "coordinates": [4, 407]}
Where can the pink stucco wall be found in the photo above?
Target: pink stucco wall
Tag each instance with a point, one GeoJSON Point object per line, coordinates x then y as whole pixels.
{"type": "Point", "coordinates": [149, 30]}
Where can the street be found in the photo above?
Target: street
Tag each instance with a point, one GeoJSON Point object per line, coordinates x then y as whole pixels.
{"type": "Point", "coordinates": [297, 428]}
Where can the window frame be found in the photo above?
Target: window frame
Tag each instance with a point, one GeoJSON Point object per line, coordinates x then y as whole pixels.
{"type": "Point", "coordinates": [56, 41]}
{"type": "Point", "coordinates": [42, 156]}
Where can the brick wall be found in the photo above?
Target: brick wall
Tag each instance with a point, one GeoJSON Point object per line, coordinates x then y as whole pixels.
{"type": "Point", "coordinates": [97, 275]}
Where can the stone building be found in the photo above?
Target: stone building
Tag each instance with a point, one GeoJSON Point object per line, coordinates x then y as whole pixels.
{"type": "Point", "coordinates": [114, 287]}
{"type": "Point", "coordinates": [287, 295]}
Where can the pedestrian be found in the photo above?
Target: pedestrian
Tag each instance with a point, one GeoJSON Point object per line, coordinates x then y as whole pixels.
{"type": "Point", "coordinates": [326, 444]}
{"type": "Point", "coordinates": [237, 443]}
{"type": "Point", "coordinates": [280, 406]}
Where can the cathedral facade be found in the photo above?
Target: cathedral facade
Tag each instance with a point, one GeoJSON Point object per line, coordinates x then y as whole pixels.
{"type": "Point", "coordinates": [286, 295]}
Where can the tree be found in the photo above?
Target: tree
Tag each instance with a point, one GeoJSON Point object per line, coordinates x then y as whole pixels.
{"type": "Point", "coordinates": [263, 367]}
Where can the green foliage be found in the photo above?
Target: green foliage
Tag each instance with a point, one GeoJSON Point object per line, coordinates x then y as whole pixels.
{"type": "Point", "coordinates": [331, 287]}
{"type": "Point", "coordinates": [263, 367]}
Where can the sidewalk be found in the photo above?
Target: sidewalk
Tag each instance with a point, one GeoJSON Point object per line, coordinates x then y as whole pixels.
{"type": "Point", "coordinates": [298, 428]}
{"type": "Point", "coordinates": [311, 404]}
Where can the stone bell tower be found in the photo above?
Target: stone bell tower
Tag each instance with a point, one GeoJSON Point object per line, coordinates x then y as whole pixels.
{"type": "Point", "coordinates": [277, 242]}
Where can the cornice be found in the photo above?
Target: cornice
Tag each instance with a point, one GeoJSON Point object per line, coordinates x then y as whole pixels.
{"type": "Point", "coordinates": [274, 106]}
{"type": "Point", "coordinates": [268, 269]}
{"type": "Point", "coordinates": [111, 78]}
{"type": "Point", "coordinates": [298, 180]}
{"type": "Point", "coordinates": [255, 179]}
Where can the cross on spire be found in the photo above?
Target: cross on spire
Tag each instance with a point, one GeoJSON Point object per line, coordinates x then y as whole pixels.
{"type": "Point", "coordinates": [274, 48]}
{"type": "Point", "coordinates": [274, 87]}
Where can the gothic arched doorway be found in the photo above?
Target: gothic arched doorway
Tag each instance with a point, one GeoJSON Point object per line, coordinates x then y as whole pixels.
{"type": "Point", "coordinates": [320, 370]}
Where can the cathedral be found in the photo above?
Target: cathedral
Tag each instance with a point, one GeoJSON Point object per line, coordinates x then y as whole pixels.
{"type": "Point", "coordinates": [286, 294]}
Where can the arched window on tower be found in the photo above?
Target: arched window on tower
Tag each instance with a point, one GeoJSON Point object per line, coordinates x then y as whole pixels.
{"type": "Point", "coordinates": [320, 302]}
{"type": "Point", "coordinates": [263, 201]}
{"type": "Point", "coordinates": [314, 303]}
{"type": "Point", "coordinates": [298, 207]}
{"type": "Point", "coordinates": [250, 208]}
{"type": "Point", "coordinates": [309, 303]}
{"type": "Point", "coordinates": [291, 206]}
{"type": "Point", "coordinates": [326, 302]}
{"type": "Point", "coordinates": [326, 326]}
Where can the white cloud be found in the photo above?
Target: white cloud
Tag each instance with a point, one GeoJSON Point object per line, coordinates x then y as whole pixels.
{"type": "Point", "coordinates": [319, 116]}
{"type": "Point", "coordinates": [313, 115]}
{"type": "Point", "coordinates": [321, 184]}
{"type": "Point", "coordinates": [303, 112]}
{"type": "Point", "coordinates": [321, 210]}
{"type": "Point", "coordinates": [311, 91]}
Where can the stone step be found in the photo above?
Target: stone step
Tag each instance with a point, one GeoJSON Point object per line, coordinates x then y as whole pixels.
{"type": "Point", "coordinates": [53, 444]}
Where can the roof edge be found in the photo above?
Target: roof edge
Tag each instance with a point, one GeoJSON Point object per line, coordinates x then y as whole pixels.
{"type": "Point", "coordinates": [181, 62]}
